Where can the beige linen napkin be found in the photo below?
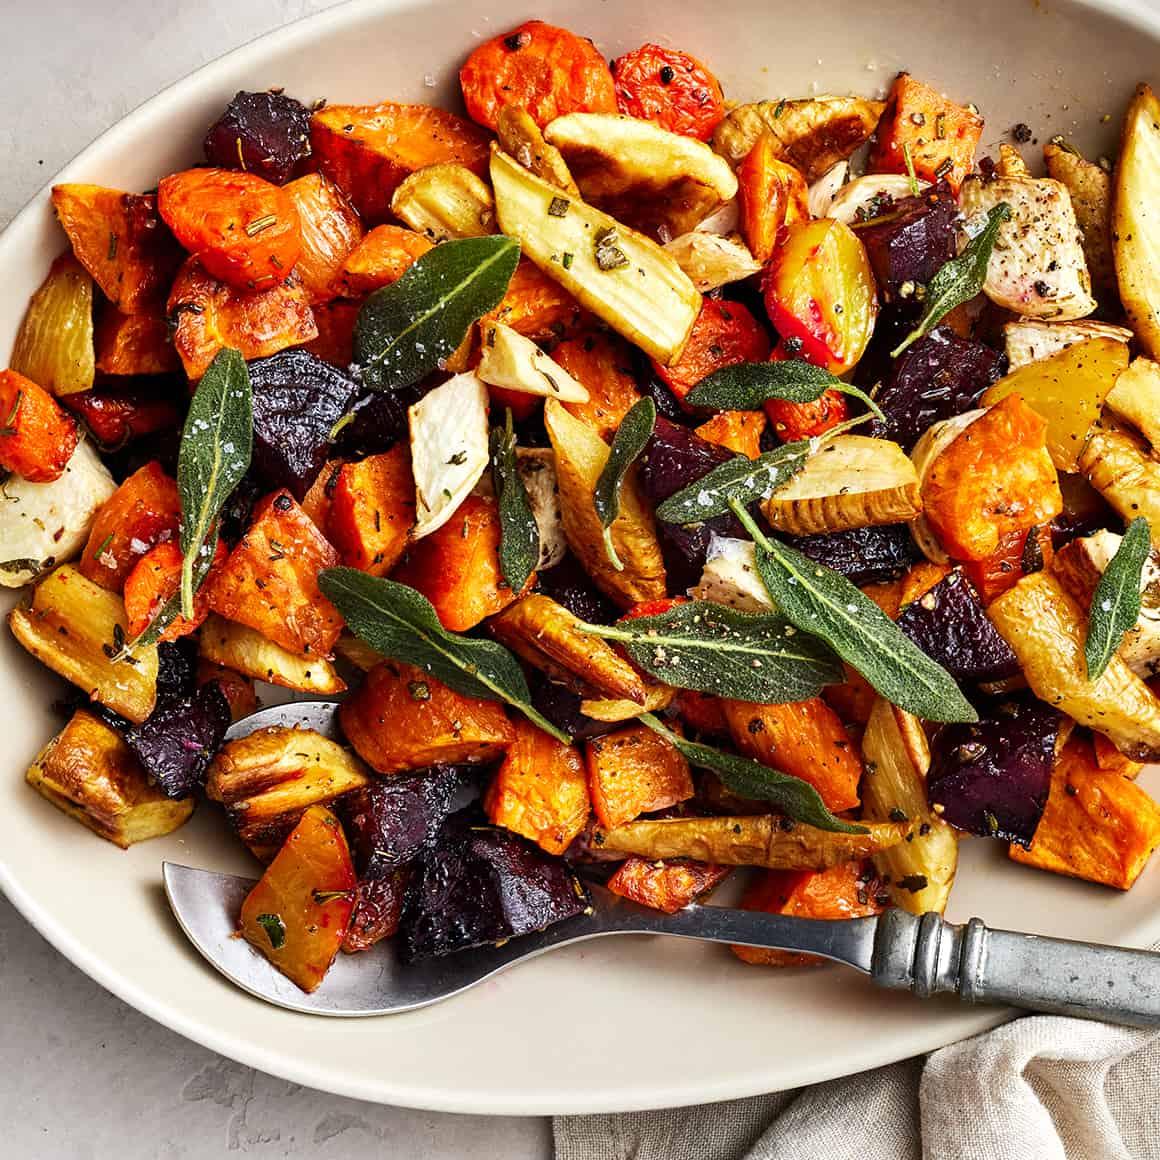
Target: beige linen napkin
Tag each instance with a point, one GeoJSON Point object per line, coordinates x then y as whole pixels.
{"type": "Point", "coordinates": [1040, 1088]}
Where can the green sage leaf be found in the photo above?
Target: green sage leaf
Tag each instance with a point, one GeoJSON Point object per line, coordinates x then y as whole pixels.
{"type": "Point", "coordinates": [519, 543]}
{"type": "Point", "coordinates": [714, 649]}
{"type": "Point", "coordinates": [400, 623]}
{"type": "Point", "coordinates": [407, 328]}
{"type": "Point", "coordinates": [275, 929]}
{"type": "Point", "coordinates": [745, 386]}
{"type": "Point", "coordinates": [631, 437]}
{"type": "Point", "coordinates": [958, 280]}
{"type": "Point", "coordinates": [1115, 605]}
{"type": "Point", "coordinates": [795, 798]}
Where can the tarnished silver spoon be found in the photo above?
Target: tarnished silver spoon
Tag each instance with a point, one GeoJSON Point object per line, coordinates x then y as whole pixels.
{"type": "Point", "coordinates": [919, 953]}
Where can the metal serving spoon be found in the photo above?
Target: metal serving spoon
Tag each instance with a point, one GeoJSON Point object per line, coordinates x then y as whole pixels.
{"type": "Point", "coordinates": [919, 953]}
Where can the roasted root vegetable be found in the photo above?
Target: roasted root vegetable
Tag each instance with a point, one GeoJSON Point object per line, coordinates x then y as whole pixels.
{"type": "Point", "coordinates": [1026, 340]}
{"type": "Point", "coordinates": [1097, 825]}
{"type": "Point", "coordinates": [401, 719]}
{"type": "Point", "coordinates": [383, 256]}
{"type": "Point", "coordinates": [918, 873]}
{"type": "Point", "coordinates": [665, 885]}
{"type": "Point", "coordinates": [134, 344]}
{"type": "Point", "coordinates": [329, 230]}
{"type": "Point", "coordinates": [632, 772]}
{"type": "Point", "coordinates": [267, 779]}
{"type": "Point", "coordinates": [730, 576]}
{"type": "Point", "coordinates": [540, 790]}
{"type": "Point", "coordinates": [1136, 398]}
{"type": "Point", "coordinates": [669, 87]}
{"type": "Point", "coordinates": [89, 773]}
{"type": "Point", "coordinates": [520, 137]}
{"type": "Point", "coordinates": [445, 201]}
{"type": "Point", "coordinates": [237, 688]}
{"type": "Point", "coordinates": [1090, 188]}
{"type": "Point", "coordinates": [515, 363]}
{"type": "Point", "coordinates": [537, 468]}
{"type": "Point", "coordinates": [812, 135]}
{"type": "Point", "coordinates": [1046, 629]}
{"type": "Point", "coordinates": [621, 276]}
{"type": "Point", "coordinates": [852, 482]}
{"type": "Point", "coordinates": [739, 431]}
{"type": "Point", "coordinates": [54, 345]}
{"type": "Point", "coordinates": [535, 305]}
{"type": "Point", "coordinates": [771, 194]}
{"type": "Point", "coordinates": [367, 150]}
{"type": "Point", "coordinates": [547, 71]}
{"type": "Point", "coordinates": [712, 260]}
{"type": "Point", "coordinates": [792, 421]}
{"type": "Point", "coordinates": [116, 416]}
{"type": "Point", "coordinates": [580, 458]}
{"type": "Point", "coordinates": [748, 840]}
{"type": "Point", "coordinates": [602, 364]}
{"type": "Point", "coordinates": [267, 133]}
{"type": "Point", "coordinates": [76, 627]}
{"type": "Point", "coordinates": [334, 323]}
{"type": "Point", "coordinates": [270, 579]}
{"type": "Point", "coordinates": [247, 651]}
{"type": "Point", "coordinates": [37, 438]}
{"type": "Point", "coordinates": [805, 739]}
{"type": "Point", "coordinates": [372, 510]}
{"type": "Point", "coordinates": [298, 913]}
{"type": "Point", "coordinates": [1117, 464]}
{"type": "Point", "coordinates": [154, 578]}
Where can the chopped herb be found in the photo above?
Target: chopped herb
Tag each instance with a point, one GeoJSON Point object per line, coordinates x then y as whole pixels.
{"type": "Point", "coordinates": [609, 255]}
{"type": "Point", "coordinates": [112, 245]}
{"type": "Point", "coordinates": [558, 207]}
{"type": "Point", "coordinates": [458, 459]}
{"type": "Point", "coordinates": [259, 224]}
{"type": "Point", "coordinates": [419, 690]}
{"type": "Point", "coordinates": [10, 423]}
{"type": "Point", "coordinates": [777, 112]}
{"type": "Point", "coordinates": [906, 155]}
{"type": "Point", "coordinates": [566, 261]}
{"type": "Point", "coordinates": [100, 551]}
{"type": "Point", "coordinates": [321, 897]}
{"type": "Point", "coordinates": [275, 929]}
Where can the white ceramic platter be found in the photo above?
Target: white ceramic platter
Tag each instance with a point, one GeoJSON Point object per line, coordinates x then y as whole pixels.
{"type": "Point", "coordinates": [620, 1024]}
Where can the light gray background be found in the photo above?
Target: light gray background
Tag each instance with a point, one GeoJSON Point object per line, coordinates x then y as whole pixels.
{"type": "Point", "coordinates": [82, 1075]}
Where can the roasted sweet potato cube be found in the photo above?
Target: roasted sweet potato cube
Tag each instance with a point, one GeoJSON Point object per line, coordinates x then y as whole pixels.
{"type": "Point", "coordinates": [207, 316]}
{"type": "Point", "coordinates": [37, 438]}
{"type": "Point", "coordinates": [372, 511]}
{"type": "Point", "coordinates": [540, 790]}
{"type": "Point", "coordinates": [401, 718]}
{"type": "Point", "coordinates": [298, 913]}
{"type": "Point", "coordinates": [740, 431]}
{"type": "Point", "coordinates": [849, 890]}
{"type": "Point", "coordinates": [367, 150]}
{"type": "Point", "coordinates": [134, 344]}
{"type": "Point", "coordinates": [457, 566]}
{"type": "Point", "coordinates": [270, 580]}
{"type": "Point", "coordinates": [803, 738]}
{"type": "Point", "coordinates": [702, 712]}
{"type": "Point", "coordinates": [535, 305]}
{"type": "Point", "coordinates": [632, 772]}
{"type": "Point", "coordinates": [330, 230]}
{"type": "Point", "coordinates": [602, 363]}
{"type": "Point", "coordinates": [117, 415]}
{"type": "Point", "coordinates": [225, 642]}
{"type": "Point", "coordinates": [1111, 760]}
{"type": "Point", "coordinates": [120, 239]}
{"type": "Point", "coordinates": [89, 772]}
{"type": "Point", "coordinates": [382, 257]}
{"type": "Point", "coordinates": [1098, 825]}
{"type": "Point", "coordinates": [143, 511]}
{"type": "Point", "coordinates": [999, 572]}
{"type": "Point", "coordinates": [668, 885]}
{"type": "Point", "coordinates": [319, 499]}
{"type": "Point", "coordinates": [154, 579]}
{"type": "Point", "coordinates": [335, 323]}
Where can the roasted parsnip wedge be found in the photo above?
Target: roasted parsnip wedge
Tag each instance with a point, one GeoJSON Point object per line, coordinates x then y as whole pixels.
{"type": "Point", "coordinates": [1091, 198]}
{"type": "Point", "coordinates": [857, 199]}
{"type": "Point", "coordinates": [1117, 464]}
{"type": "Point", "coordinates": [935, 440]}
{"type": "Point", "coordinates": [851, 482]}
{"type": "Point", "coordinates": [730, 576]}
{"type": "Point", "coordinates": [1136, 397]}
{"type": "Point", "coordinates": [642, 174]}
{"type": "Point", "coordinates": [813, 134]}
{"type": "Point", "coordinates": [580, 458]}
{"type": "Point", "coordinates": [712, 260]}
{"type": "Point", "coordinates": [247, 651]}
{"type": "Point", "coordinates": [89, 772]}
{"type": "Point", "coordinates": [1046, 629]}
{"type": "Point", "coordinates": [921, 870]}
{"type": "Point", "coordinates": [445, 201]}
{"type": "Point", "coordinates": [267, 779]}
{"type": "Point", "coordinates": [657, 697]}
{"type": "Point", "coordinates": [514, 362]}
{"type": "Point", "coordinates": [1027, 340]}
{"type": "Point", "coordinates": [537, 468]}
{"type": "Point", "coordinates": [624, 278]}
{"type": "Point", "coordinates": [76, 627]}
{"type": "Point", "coordinates": [1136, 219]}
{"type": "Point", "coordinates": [1038, 266]}
{"type": "Point", "coordinates": [750, 840]}
{"type": "Point", "coordinates": [520, 137]}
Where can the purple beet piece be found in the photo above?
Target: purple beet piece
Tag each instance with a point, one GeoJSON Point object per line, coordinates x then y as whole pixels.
{"type": "Point", "coordinates": [568, 584]}
{"type": "Point", "coordinates": [912, 240]}
{"type": "Point", "coordinates": [950, 625]}
{"type": "Point", "coordinates": [940, 376]}
{"type": "Point", "coordinates": [264, 133]}
{"type": "Point", "coordinates": [377, 910]}
{"type": "Point", "coordinates": [562, 707]}
{"type": "Point", "coordinates": [862, 555]}
{"type": "Point", "coordinates": [991, 777]}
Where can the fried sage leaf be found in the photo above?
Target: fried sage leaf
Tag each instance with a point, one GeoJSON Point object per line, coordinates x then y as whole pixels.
{"type": "Point", "coordinates": [745, 386]}
{"type": "Point", "coordinates": [631, 437]}
{"type": "Point", "coordinates": [519, 544]}
{"type": "Point", "coordinates": [1116, 601]}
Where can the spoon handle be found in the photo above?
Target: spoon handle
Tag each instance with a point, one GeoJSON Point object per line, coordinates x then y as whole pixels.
{"type": "Point", "coordinates": [929, 956]}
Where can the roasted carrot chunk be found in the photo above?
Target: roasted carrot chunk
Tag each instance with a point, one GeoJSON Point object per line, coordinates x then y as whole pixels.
{"type": "Point", "coordinates": [37, 437]}
{"type": "Point", "coordinates": [668, 885]}
{"type": "Point", "coordinates": [994, 479]}
{"type": "Point", "coordinates": [540, 789]}
{"type": "Point", "coordinates": [298, 913]}
{"type": "Point", "coordinates": [1110, 759]}
{"type": "Point", "coordinates": [632, 772]}
{"type": "Point", "coordinates": [535, 306]}
{"type": "Point", "coordinates": [995, 574]}
{"type": "Point", "coordinates": [802, 738]}
{"type": "Point", "coordinates": [400, 719]}
{"type": "Point", "coordinates": [740, 431]}
{"type": "Point", "coordinates": [793, 421]}
{"type": "Point", "coordinates": [270, 580]}
{"type": "Point", "coordinates": [547, 70]}
{"type": "Point", "coordinates": [142, 512]}
{"type": "Point", "coordinates": [367, 150]}
{"type": "Point", "coordinates": [329, 230]}
{"type": "Point", "coordinates": [771, 194]}
{"type": "Point", "coordinates": [335, 323]}
{"type": "Point", "coordinates": [154, 579]}
{"type": "Point", "coordinates": [914, 584]}
{"type": "Point", "coordinates": [382, 257]}
{"type": "Point", "coordinates": [244, 230]}
{"type": "Point", "coordinates": [1098, 825]}
{"type": "Point", "coordinates": [457, 566]}
{"type": "Point", "coordinates": [120, 239]}
{"type": "Point", "coordinates": [724, 333]}
{"type": "Point", "coordinates": [602, 363]}
{"type": "Point", "coordinates": [372, 511]}
{"type": "Point", "coordinates": [134, 344]}
{"type": "Point", "coordinates": [849, 890]}
{"type": "Point", "coordinates": [209, 315]}
{"type": "Point", "coordinates": [701, 712]}
{"type": "Point", "coordinates": [117, 415]}
{"type": "Point", "coordinates": [318, 501]}
{"type": "Point", "coordinates": [939, 135]}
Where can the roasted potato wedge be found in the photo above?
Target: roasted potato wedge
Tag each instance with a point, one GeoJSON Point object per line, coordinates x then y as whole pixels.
{"type": "Point", "coordinates": [445, 201]}
{"type": "Point", "coordinates": [1027, 340]}
{"type": "Point", "coordinates": [89, 772]}
{"type": "Point", "coordinates": [1117, 464]}
{"type": "Point", "coordinates": [713, 260]}
{"type": "Point", "coordinates": [520, 137]}
{"type": "Point", "coordinates": [1090, 188]}
{"type": "Point", "coordinates": [1136, 398]}
{"type": "Point", "coordinates": [247, 651]}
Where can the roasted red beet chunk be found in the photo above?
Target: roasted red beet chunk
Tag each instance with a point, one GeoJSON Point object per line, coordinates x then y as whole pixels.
{"type": "Point", "coordinates": [263, 133]}
{"type": "Point", "coordinates": [862, 555]}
